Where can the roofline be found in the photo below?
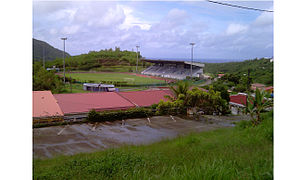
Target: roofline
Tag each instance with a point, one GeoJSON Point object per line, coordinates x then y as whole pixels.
{"type": "Point", "coordinates": [171, 61]}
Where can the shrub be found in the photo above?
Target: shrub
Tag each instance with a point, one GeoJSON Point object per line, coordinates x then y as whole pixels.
{"type": "Point", "coordinates": [164, 107]}
{"type": "Point", "coordinates": [93, 116]}
{"type": "Point", "coordinates": [118, 115]}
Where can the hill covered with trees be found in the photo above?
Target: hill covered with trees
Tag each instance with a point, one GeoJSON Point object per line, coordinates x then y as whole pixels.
{"type": "Point", "coordinates": [99, 60]}
{"type": "Point", "coordinates": [261, 70]}
{"type": "Point", "coordinates": [41, 48]}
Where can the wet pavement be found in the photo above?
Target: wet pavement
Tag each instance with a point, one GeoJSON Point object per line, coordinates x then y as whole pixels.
{"type": "Point", "coordinates": [71, 139]}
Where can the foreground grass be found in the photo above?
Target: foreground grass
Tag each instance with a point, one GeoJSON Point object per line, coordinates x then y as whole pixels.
{"type": "Point", "coordinates": [242, 152]}
{"type": "Point", "coordinates": [98, 77]}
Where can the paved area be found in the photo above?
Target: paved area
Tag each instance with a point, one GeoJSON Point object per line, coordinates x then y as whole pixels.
{"type": "Point", "coordinates": [87, 137]}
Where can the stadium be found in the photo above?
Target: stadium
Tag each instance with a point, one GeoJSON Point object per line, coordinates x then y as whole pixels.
{"type": "Point", "coordinates": [174, 69]}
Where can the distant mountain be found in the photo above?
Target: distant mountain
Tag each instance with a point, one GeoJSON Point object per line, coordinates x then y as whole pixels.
{"type": "Point", "coordinates": [50, 52]}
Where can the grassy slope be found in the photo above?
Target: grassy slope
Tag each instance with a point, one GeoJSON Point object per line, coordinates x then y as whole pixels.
{"type": "Point", "coordinates": [98, 77]}
{"type": "Point", "coordinates": [239, 153]}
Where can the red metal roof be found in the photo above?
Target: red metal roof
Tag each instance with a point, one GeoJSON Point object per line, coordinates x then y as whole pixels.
{"type": "Point", "coordinates": [269, 88]}
{"type": "Point", "coordinates": [145, 98]}
{"type": "Point", "coordinates": [84, 102]}
{"type": "Point", "coordinates": [239, 99]}
{"type": "Point", "coordinates": [44, 104]}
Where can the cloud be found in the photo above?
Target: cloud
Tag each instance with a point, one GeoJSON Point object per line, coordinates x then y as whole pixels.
{"type": "Point", "coordinates": [166, 32]}
{"type": "Point", "coordinates": [53, 31]}
{"type": "Point", "coordinates": [265, 19]}
{"type": "Point", "coordinates": [235, 28]}
{"type": "Point", "coordinates": [67, 30]}
{"type": "Point", "coordinates": [131, 20]}
{"type": "Point", "coordinates": [174, 19]}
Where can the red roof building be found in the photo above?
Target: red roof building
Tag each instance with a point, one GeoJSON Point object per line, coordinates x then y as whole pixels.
{"type": "Point", "coordinates": [145, 98]}
{"type": "Point", "coordinates": [84, 102]}
{"type": "Point", "coordinates": [257, 85]}
{"type": "Point", "coordinates": [239, 99]}
{"type": "Point", "coordinates": [45, 105]}
{"type": "Point", "coordinates": [220, 75]}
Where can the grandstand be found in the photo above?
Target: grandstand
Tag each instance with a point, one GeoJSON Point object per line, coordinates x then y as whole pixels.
{"type": "Point", "coordinates": [174, 69]}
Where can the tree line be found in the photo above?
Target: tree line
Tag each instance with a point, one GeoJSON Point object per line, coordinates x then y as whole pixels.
{"type": "Point", "coordinates": [261, 69]}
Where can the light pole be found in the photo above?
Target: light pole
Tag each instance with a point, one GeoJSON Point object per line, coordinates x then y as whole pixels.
{"type": "Point", "coordinates": [192, 58]}
{"type": "Point", "coordinates": [44, 56]}
{"type": "Point", "coordinates": [137, 58]}
{"type": "Point", "coordinates": [64, 39]}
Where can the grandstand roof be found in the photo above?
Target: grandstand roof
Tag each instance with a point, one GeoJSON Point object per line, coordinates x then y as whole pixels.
{"type": "Point", "coordinates": [145, 98]}
{"type": "Point", "coordinates": [45, 105]}
{"type": "Point", "coordinates": [84, 102]}
{"type": "Point", "coordinates": [174, 62]}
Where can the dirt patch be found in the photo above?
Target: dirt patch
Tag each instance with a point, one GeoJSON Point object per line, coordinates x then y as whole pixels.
{"type": "Point", "coordinates": [77, 138]}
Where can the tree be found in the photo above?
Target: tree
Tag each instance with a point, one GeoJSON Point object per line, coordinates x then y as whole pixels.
{"type": "Point", "coordinates": [46, 80]}
{"type": "Point", "coordinates": [257, 104]}
{"type": "Point", "coordinates": [223, 89]}
{"type": "Point", "coordinates": [181, 87]}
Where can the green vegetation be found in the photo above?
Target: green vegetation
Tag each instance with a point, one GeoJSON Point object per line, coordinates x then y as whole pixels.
{"type": "Point", "coordinates": [257, 104]}
{"type": "Point", "coordinates": [103, 60]}
{"type": "Point", "coordinates": [46, 80]}
{"type": "Point", "coordinates": [181, 87]}
{"type": "Point", "coordinates": [235, 82]}
{"type": "Point", "coordinates": [222, 88]}
{"type": "Point", "coordinates": [41, 48]}
{"type": "Point", "coordinates": [261, 69]}
{"type": "Point", "coordinates": [208, 102]}
{"type": "Point", "coordinates": [244, 152]}
{"type": "Point", "coordinates": [113, 78]}
{"type": "Point", "coordinates": [74, 88]}
{"type": "Point", "coordinates": [94, 116]}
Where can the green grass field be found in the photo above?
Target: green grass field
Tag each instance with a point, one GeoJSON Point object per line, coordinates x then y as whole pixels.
{"type": "Point", "coordinates": [243, 152]}
{"type": "Point", "coordinates": [98, 77]}
{"type": "Point", "coordinates": [78, 88]}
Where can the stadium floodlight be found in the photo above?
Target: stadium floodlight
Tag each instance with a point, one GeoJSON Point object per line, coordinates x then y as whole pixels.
{"type": "Point", "coordinates": [192, 51]}
{"type": "Point", "coordinates": [44, 56]}
{"type": "Point", "coordinates": [64, 39]}
{"type": "Point", "coordinates": [137, 58]}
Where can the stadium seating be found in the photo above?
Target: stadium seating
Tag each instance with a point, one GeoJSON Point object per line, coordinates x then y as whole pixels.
{"type": "Point", "coordinates": [172, 71]}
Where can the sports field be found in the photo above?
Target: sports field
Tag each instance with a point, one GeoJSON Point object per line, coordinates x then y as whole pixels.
{"type": "Point", "coordinates": [123, 77]}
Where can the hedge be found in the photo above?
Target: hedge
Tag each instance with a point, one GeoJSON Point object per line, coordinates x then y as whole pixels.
{"type": "Point", "coordinates": [95, 116]}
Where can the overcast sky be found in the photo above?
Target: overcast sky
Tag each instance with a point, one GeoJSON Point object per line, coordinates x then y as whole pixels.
{"type": "Point", "coordinates": [161, 29]}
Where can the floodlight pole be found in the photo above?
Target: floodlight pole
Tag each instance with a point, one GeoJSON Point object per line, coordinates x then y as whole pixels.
{"type": "Point", "coordinates": [192, 51]}
{"type": "Point", "coordinates": [64, 39]}
{"type": "Point", "coordinates": [44, 57]}
{"type": "Point", "coordinates": [137, 58]}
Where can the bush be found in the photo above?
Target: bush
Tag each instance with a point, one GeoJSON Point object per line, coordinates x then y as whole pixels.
{"type": "Point", "coordinates": [173, 108]}
{"type": "Point", "coordinates": [93, 116]}
{"type": "Point", "coordinates": [118, 115]}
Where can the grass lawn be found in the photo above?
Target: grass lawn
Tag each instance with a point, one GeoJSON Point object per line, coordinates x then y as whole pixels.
{"type": "Point", "coordinates": [75, 88]}
{"type": "Point", "coordinates": [243, 152]}
{"type": "Point", "coordinates": [78, 88]}
{"type": "Point", "coordinates": [98, 77]}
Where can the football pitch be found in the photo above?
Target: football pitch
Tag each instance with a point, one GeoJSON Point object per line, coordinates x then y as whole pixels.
{"type": "Point", "coordinates": [115, 77]}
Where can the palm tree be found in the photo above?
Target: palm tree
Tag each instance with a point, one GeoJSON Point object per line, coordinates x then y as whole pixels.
{"type": "Point", "coordinates": [179, 90]}
{"type": "Point", "coordinates": [258, 103]}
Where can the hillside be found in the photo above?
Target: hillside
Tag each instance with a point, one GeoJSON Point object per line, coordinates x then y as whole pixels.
{"type": "Point", "coordinates": [51, 53]}
{"type": "Point", "coordinates": [99, 60]}
{"type": "Point", "coordinates": [261, 70]}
